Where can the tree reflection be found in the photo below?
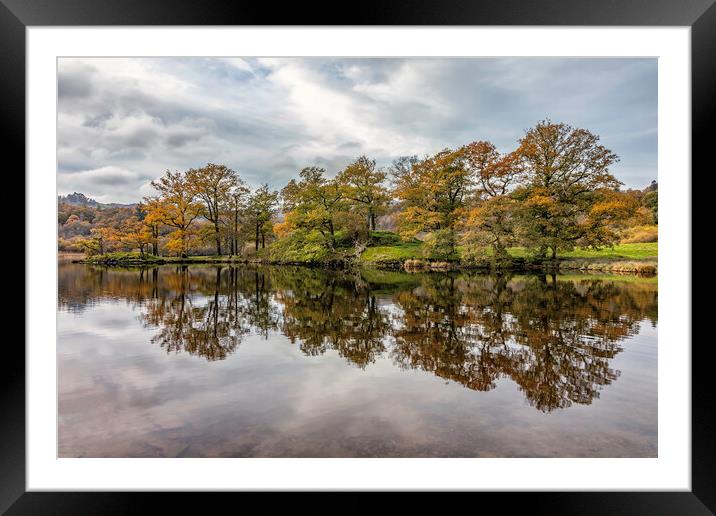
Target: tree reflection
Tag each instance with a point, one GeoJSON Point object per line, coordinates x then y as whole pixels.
{"type": "Point", "coordinates": [329, 310]}
{"type": "Point", "coordinates": [553, 336]}
{"type": "Point", "coordinates": [199, 325]}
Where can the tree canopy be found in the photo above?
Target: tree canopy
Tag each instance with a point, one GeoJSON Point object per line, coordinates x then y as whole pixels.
{"type": "Point", "coordinates": [552, 192]}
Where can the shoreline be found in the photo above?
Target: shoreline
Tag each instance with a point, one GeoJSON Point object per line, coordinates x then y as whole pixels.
{"type": "Point", "coordinates": [647, 267]}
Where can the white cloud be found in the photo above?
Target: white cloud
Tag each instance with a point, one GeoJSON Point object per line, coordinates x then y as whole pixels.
{"type": "Point", "coordinates": [122, 183]}
{"type": "Point", "coordinates": [269, 117]}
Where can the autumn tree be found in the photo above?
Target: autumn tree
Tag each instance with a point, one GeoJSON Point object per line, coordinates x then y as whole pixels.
{"type": "Point", "coordinates": [177, 208]}
{"type": "Point", "coordinates": [151, 211]}
{"type": "Point", "coordinates": [650, 200]}
{"type": "Point", "coordinates": [610, 213]}
{"type": "Point", "coordinates": [262, 206]}
{"type": "Point", "coordinates": [432, 192]}
{"type": "Point", "coordinates": [236, 208]}
{"type": "Point", "coordinates": [363, 186]}
{"type": "Point", "coordinates": [213, 185]}
{"type": "Point", "coordinates": [101, 240]}
{"type": "Point", "coordinates": [491, 221]}
{"type": "Point", "coordinates": [134, 234]}
{"type": "Point", "coordinates": [313, 203]}
{"type": "Point", "coordinates": [567, 175]}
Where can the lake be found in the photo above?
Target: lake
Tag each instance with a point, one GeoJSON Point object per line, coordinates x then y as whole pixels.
{"type": "Point", "coordinates": [210, 361]}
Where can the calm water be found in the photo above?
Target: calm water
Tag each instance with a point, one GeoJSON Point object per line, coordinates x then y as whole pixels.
{"type": "Point", "coordinates": [292, 362]}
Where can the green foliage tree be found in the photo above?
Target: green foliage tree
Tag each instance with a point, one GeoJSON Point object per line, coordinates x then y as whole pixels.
{"type": "Point", "coordinates": [262, 206]}
{"type": "Point", "coordinates": [313, 203]}
{"type": "Point", "coordinates": [363, 186]}
{"type": "Point", "coordinates": [440, 245]}
{"type": "Point", "coordinates": [651, 201]}
{"type": "Point", "coordinates": [237, 207]}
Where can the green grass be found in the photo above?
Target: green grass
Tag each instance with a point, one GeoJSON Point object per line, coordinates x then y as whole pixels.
{"type": "Point", "coordinates": [407, 251]}
{"type": "Point", "coordinates": [390, 253]}
{"type": "Point", "coordinates": [620, 252]}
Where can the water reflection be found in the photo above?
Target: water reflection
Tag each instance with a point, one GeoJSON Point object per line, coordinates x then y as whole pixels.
{"type": "Point", "coordinates": [553, 336]}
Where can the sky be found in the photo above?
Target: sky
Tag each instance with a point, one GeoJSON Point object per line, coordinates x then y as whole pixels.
{"type": "Point", "coordinates": [123, 122]}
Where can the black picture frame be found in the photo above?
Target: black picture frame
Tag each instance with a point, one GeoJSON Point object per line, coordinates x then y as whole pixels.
{"type": "Point", "coordinates": [700, 15]}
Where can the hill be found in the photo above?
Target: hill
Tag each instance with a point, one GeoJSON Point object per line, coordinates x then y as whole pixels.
{"type": "Point", "coordinates": [80, 199]}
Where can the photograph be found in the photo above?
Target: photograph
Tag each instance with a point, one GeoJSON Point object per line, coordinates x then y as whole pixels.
{"type": "Point", "coordinates": [357, 257]}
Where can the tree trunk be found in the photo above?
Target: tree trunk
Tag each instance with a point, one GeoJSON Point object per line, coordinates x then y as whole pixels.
{"type": "Point", "coordinates": [236, 231]}
{"type": "Point", "coordinates": [155, 241]}
{"type": "Point", "coordinates": [218, 238]}
{"type": "Point", "coordinates": [372, 221]}
{"type": "Point", "coordinates": [256, 241]}
{"type": "Point", "coordinates": [332, 233]}
{"type": "Point", "coordinates": [184, 246]}
{"type": "Point", "coordinates": [263, 240]}
{"type": "Point", "coordinates": [500, 250]}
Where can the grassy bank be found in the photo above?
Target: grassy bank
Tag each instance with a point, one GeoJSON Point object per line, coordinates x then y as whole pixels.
{"type": "Point", "coordinates": [618, 252]}
{"type": "Point", "coordinates": [410, 251]}
{"type": "Point", "coordinates": [391, 254]}
{"type": "Point", "coordinates": [639, 258]}
{"type": "Point", "coordinates": [148, 259]}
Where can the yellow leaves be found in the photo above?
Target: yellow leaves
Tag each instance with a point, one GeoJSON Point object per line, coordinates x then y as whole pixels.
{"type": "Point", "coordinates": [540, 201]}
{"type": "Point", "coordinates": [180, 241]}
{"type": "Point", "coordinates": [610, 208]}
{"type": "Point", "coordinates": [289, 224]}
{"type": "Point", "coordinates": [432, 191]}
{"type": "Point", "coordinates": [174, 244]}
{"type": "Point", "coordinates": [614, 205]}
{"type": "Point", "coordinates": [558, 155]}
{"type": "Point", "coordinates": [413, 219]}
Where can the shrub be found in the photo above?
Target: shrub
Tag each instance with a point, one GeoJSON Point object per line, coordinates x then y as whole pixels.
{"type": "Point", "coordinates": [352, 228]}
{"type": "Point", "coordinates": [378, 238]}
{"type": "Point", "coordinates": [640, 235]}
{"type": "Point", "coordinates": [346, 238]}
{"type": "Point", "coordinates": [440, 245]}
{"type": "Point", "coordinates": [414, 264]}
{"type": "Point", "coordinates": [441, 266]}
{"type": "Point", "coordinates": [300, 246]}
{"type": "Point", "coordinates": [473, 252]}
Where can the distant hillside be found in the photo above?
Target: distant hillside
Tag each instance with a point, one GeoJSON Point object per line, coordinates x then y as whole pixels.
{"type": "Point", "coordinates": [80, 199]}
{"type": "Point", "coordinates": [78, 215]}
{"type": "Point", "coordinates": [76, 199]}
{"type": "Point", "coordinates": [653, 187]}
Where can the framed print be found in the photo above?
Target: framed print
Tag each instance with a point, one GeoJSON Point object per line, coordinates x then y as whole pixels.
{"type": "Point", "coordinates": [419, 252]}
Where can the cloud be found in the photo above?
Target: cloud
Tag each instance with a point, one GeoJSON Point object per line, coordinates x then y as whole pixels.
{"type": "Point", "coordinates": [122, 183]}
{"type": "Point", "coordinates": [75, 81]}
{"type": "Point", "coordinates": [269, 117]}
